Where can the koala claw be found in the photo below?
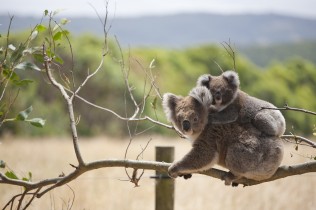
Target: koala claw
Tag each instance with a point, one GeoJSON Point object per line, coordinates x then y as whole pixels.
{"type": "Point", "coordinates": [186, 176]}
{"type": "Point", "coordinates": [235, 184]}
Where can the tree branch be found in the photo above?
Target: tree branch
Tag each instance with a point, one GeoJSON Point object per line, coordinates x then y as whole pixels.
{"type": "Point", "coordinates": [73, 127]}
{"type": "Point", "coordinates": [282, 172]}
{"type": "Point", "coordinates": [286, 107]}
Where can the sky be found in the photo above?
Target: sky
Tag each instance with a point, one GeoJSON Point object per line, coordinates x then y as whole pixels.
{"type": "Point", "coordinates": [125, 8]}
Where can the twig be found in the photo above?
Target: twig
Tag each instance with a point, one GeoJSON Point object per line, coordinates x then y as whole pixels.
{"type": "Point", "coordinates": [7, 40]}
{"type": "Point", "coordinates": [286, 107]}
{"type": "Point", "coordinates": [230, 52]}
{"type": "Point", "coordinates": [301, 139]}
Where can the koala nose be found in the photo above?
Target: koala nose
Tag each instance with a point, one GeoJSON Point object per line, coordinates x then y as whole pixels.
{"type": "Point", "coordinates": [218, 96]}
{"type": "Point", "coordinates": [186, 125]}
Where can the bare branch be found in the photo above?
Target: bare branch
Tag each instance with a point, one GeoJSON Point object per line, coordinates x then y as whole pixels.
{"type": "Point", "coordinates": [299, 139]}
{"type": "Point", "coordinates": [49, 73]}
{"type": "Point", "coordinates": [286, 107]}
{"type": "Point", "coordinates": [282, 172]}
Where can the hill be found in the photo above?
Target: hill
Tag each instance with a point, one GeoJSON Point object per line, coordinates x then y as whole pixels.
{"type": "Point", "coordinates": [185, 30]}
{"type": "Point", "coordinates": [264, 55]}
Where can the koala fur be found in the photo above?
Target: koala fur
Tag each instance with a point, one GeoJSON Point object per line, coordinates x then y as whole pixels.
{"type": "Point", "coordinates": [231, 104]}
{"type": "Point", "coordinates": [239, 148]}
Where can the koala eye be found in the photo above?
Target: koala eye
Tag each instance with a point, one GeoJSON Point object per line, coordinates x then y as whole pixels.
{"type": "Point", "coordinates": [195, 119]}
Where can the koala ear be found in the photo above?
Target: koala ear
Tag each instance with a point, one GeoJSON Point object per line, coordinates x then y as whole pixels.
{"type": "Point", "coordinates": [204, 80]}
{"type": "Point", "coordinates": [202, 95]}
{"type": "Point", "coordinates": [169, 102]}
{"type": "Point", "coordinates": [231, 77]}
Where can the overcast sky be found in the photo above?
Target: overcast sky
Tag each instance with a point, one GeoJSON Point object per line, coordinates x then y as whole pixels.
{"type": "Point", "coordinates": [303, 8]}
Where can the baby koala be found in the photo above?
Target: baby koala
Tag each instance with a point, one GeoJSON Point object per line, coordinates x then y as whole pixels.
{"type": "Point", "coordinates": [231, 104]}
{"type": "Point", "coordinates": [239, 148]}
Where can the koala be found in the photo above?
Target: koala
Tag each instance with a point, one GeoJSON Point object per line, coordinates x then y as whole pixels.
{"type": "Point", "coordinates": [239, 148]}
{"type": "Point", "coordinates": [231, 104]}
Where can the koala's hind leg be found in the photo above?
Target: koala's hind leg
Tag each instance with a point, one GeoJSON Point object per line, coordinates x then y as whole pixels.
{"type": "Point", "coordinates": [270, 122]}
{"type": "Point", "coordinates": [229, 178]}
{"type": "Point", "coordinates": [200, 158]}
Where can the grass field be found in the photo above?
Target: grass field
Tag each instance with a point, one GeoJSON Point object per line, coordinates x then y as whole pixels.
{"type": "Point", "coordinates": [106, 188]}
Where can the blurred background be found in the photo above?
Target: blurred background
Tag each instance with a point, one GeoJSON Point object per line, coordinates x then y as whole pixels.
{"type": "Point", "coordinates": [274, 44]}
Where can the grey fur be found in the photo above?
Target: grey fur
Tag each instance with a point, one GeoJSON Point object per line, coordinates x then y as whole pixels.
{"type": "Point", "coordinates": [239, 148]}
{"type": "Point", "coordinates": [232, 104]}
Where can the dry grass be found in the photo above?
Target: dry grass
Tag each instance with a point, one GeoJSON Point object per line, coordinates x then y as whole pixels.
{"type": "Point", "coordinates": [103, 189]}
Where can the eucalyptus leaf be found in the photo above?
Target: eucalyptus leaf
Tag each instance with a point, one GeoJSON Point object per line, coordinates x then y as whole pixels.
{"type": "Point", "coordinates": [64, 21]}
{"type": "Point", "coordinates": [37, 122]}
{"type": "Point", "coordinates": [34, 35]}
{"type": "Point", "coordinates": [17, 54]}
{"type": "Point", "coordinates": [11, 74]}
{"type": "Point", "coordinates": [2, 164]}
{"type": "Point", "coordinates": [57, 36]}
{"type": "Point", "coordinates": [27, 66]}
{"type": "Point", "coordinates": [12, 47]}
{"type": "Point", "coordinates": [59, 60]}
{"type": "Point", "coordinates": [39, 58]}
{"type": "Point", "coordinates": [41, 28]}
{"type": "Point", "coordinates": [46, 12]}
{"type": "Point", "coordinates": [23, 82]}
{"type": "Point", "coordinates": [22, 116]}
{"type": "Point", "coordinates": [11, 175]}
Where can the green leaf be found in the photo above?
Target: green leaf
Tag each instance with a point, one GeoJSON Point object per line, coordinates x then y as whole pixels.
{"type": "Point", "coordinates": [41, 28]}
{"type": "Point", "coordinates": [57, 36]}
{"type": "Point", "coordinates": [66, 32]}
{"type": "Point", "coordinates": [59, 60]}
{"type": "Point", "coordinates": [29, 178]}
{"type": "Point", "coordinates": [21, 83]}
{"type": "Point", "coordinates": [39, 58]}
{"type": "Point", "coordinates": [27, 66]}
{"type": "Point", "coordinates": [34, 35]}
{"type": "Point", "coordinates": [314, 134]}
{"type": "Point", "coordinates": [22, 116]}
{"type": "Point", "coordinates": [11, 175]}
{"type": "Point", "coordinates": [17, 54]}
{"type": "Point", "coordinates": [2, 164]}
{"type": "Point", "coordinates": [13, 76]}
{"type": "Point", "coordinates": [64, 21]}
{"type": "Point", "coordinates": [46, 12]}
{"type": "Point", "coordinates": [154, 103]}
{"type": "Point", "coordinates": [30, 175]}
{"type": "Point", "coordinates": [37, 122]}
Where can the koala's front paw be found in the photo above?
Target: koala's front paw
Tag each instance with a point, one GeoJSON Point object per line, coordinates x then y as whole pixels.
{"type": "Point", "coordinates": [173, 171]}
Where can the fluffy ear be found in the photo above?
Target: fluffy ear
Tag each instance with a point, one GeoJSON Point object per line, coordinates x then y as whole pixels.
{"type": "Point", "coordinates": [202, 95]}
{"type": "Point", "coordinates": [169, 102]}
{"type": "Point", "coordinates": [204, 80]}
{"type": "Point", "coordinates": [231, 77]}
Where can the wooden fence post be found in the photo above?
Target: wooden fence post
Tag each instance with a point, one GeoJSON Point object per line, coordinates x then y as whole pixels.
{"type": "Point", "coordinates": [164, 184]}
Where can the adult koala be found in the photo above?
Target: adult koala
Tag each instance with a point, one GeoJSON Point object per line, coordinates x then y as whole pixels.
{"type": "Point", "coordinates": [239, 148]}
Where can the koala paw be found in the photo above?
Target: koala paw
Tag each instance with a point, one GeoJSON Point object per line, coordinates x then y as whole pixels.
{"type": "Point", "coordinates": [186, 176]}
{"type": "Point", "coordinates": [228, 178]}
{"type": "Point", "coordinates": [173, 172]}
